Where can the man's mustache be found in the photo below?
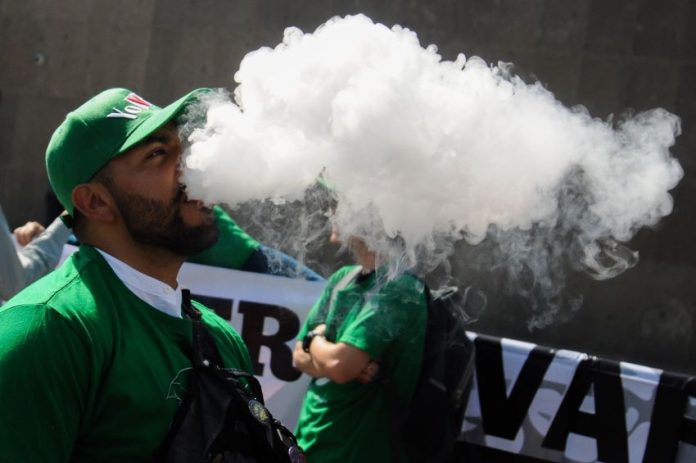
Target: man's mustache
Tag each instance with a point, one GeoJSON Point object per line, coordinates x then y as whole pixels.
{"type": "Point", "coordinates": [180, 195]}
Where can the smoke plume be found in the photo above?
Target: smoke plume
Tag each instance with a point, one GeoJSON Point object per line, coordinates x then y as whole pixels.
{"type": "Point", "coordinates": [424, 152]}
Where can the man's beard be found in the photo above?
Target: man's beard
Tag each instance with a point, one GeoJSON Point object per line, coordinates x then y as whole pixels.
{"type": "Point", "coordinates": [160, 224]}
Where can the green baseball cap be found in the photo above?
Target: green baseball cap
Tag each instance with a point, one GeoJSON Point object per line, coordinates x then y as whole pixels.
{"type": "Point", "coordinates": [104, 127]}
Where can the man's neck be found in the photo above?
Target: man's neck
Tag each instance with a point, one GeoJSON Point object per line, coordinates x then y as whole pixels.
{"type": "Point", "coordinates": [156, 262]}
{"type": "Point", "coordinates": [368, 261]}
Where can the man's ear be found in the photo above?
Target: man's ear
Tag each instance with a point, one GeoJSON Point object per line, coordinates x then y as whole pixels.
{"type": "Point", "coordinates": [95, 202]}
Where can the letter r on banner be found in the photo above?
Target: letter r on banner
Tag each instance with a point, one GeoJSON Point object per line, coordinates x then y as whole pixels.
{"type": "Point", "coordinates": [252, 332]}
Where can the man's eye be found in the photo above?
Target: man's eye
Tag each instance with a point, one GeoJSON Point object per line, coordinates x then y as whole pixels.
{"type": "Point", "coordinates": [157, 152]}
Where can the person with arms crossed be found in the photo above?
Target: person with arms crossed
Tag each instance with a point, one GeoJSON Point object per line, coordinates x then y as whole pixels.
{"type": "Point", "coordinates": [364, 330]}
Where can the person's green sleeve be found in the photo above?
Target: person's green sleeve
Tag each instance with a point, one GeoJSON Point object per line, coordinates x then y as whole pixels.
{"type": "Point", "coordinates": [317, 314]}
{"type": "Point", "coordinates": [233, 248]}
{"type": "Point", "coordinates": [319, 307]}
{"type": "Point", "coordinates": [44, 385]}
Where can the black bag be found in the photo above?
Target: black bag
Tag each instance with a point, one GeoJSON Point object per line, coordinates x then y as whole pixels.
{"type": "Point", "coordinates": [428, 429]}
{"type": "Point", "coordinates": [222, 418]}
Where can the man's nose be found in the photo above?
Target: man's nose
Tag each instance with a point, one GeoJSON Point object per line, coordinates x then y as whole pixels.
{"type": "Point", "coordinates": [179, 164]}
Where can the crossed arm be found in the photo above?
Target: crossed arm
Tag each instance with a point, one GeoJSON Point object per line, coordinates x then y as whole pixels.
{"type": "Point", "coordinates": [340, 362]}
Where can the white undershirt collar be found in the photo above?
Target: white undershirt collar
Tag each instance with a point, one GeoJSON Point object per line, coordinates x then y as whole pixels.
{"type": "Point", "coordinates": [154, 292]}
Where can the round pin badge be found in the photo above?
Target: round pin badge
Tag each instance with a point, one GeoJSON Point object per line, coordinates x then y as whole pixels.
{"type": "Point", "coordinates": [296, 455]}
{"type": "Point", "coordinates": [259, 412]}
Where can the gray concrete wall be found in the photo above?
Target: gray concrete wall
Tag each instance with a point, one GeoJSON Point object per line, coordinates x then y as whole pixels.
{"type": "Point", "coordinates": [608, 55]}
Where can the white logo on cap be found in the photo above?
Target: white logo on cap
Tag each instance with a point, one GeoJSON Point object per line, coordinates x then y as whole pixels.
{"type": "Point", "coordinates": [136, 105]}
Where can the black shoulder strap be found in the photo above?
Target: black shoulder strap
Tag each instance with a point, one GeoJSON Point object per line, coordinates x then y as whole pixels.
{"type": "Point", "coordinates": [205, 351]}
{"type": "Point", "coordinates": [222, 414]}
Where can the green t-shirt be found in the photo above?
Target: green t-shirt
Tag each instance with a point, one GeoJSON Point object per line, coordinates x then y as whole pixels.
{"type": "Point", "coordinates": [87, 369]}
{"type": "Point", "coordinates": [233, 247]}
{"type": "Point", "coordinates": [350, 422]}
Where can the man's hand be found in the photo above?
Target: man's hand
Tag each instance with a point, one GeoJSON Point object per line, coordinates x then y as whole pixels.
{"type": "Point", "coordinates": [320, 329]}
{"type": "Point", "coordinates": [302, 361]}
{"type": "Point", "coordinates": [28, 232]}
{"type": "Point", "coordinates": [340, 362]}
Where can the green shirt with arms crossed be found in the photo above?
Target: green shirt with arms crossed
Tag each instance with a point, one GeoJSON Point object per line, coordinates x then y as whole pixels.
{"type": "Point", "coordinates": [351, 422]}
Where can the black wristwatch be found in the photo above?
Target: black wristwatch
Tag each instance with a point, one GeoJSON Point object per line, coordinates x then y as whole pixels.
{"type": "Point", "coordinates": [307, 341]}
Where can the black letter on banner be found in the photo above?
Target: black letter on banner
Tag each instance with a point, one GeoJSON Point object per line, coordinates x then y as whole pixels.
{"type": "Point", "coordinates": [502, 415]}
{"type": "Point", "coordinates": [221, 306]}
{"type": "Point", "coordinates": [252, 332]}
{"type": "Point", "coordinates": [668, 425]}
{"type": "Point", "coordinates": [607, 425]}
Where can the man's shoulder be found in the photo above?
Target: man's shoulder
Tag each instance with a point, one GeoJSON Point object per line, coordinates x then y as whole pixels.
{"type": "Point", "coordinates": [214, 321]}
{"type": "Point", "coordinates": [230, 342]}
{"type": "Point", "coordinates": [402, 298]}
{"type": "Point", "coordinates": [50, 309]}
{"type": "Point", "coordinates": [48, 288]}
{"type": "Point", "coordinates": [408, 281]}
{"type": "Point", "coordinates": [65, 290]}
{"type": "Point", "coordinates": [210, 317]}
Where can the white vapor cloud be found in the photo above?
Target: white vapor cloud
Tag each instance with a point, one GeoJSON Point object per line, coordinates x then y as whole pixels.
{"type": "Point", "coordinates": [433, 151]}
